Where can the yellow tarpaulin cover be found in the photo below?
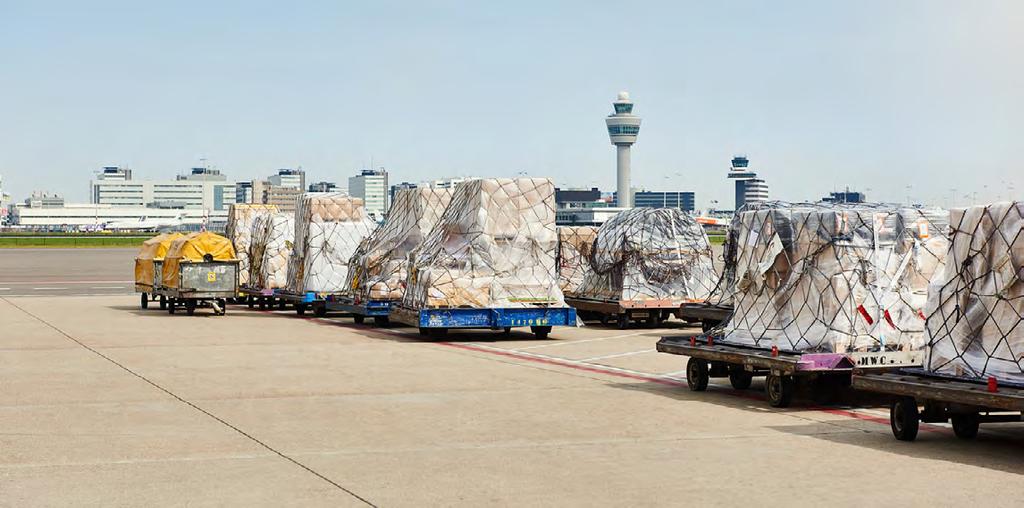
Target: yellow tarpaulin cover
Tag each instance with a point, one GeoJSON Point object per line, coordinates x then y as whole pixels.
{"type": "Point", "coordinates": [153, 249]}
{"type": "Point", "coordinates": [193, 248]}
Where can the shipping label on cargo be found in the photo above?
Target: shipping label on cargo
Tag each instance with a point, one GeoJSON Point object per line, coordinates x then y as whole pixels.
{"type": "Point", "coordinates": [888, 359]}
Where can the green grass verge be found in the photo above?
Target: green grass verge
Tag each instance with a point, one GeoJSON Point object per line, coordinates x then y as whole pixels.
{"type": "Point", "coordinates": [716, 239]}
{"type": "Point", "coordinates": [70, 242]}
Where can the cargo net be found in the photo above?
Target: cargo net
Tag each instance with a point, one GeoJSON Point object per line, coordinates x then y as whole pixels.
{"type": "Point", "coordinates": [239, 230]}
{"type": "Point", "coordinates": [377, 270]}
{"type": "Point", "coordinates": [271, 247]}
{"type": "Point", "coordinates": [832, 278]}
{"type": "Point", "coordinates": [328, 229]}
{"type": "Point", "coordinates": [649, 254]}
{"type": "Point", "coordinates": [574, 246]}
{"type": "Point", "coordinates": [975, 308]}
{"type": "Point", "coordinates": [494, 246]}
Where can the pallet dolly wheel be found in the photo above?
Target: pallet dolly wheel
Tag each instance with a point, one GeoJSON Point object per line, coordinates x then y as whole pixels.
{"type": "Point", "coordinates": [904, 419]}
{"type": "Point", "coordinates": [190, 306]}
{"type": "Point", "coordinates": [541, 332]}
{"type": "Point", "coordinates": [320, 310]}
{"type": "Point", "coordinates": [358, 319]}
{"type": "Point", "coordinates": [739, 378]}
{"type": "Point", "coordinates": [424, 331]}
{"type": "Point", "coordinates": [966, 426]}
{"type": "Point", "coordinates": [623, 321]}
{"type": "Point", "coordinates": [145, 301]}
{"type": "Point", "coordinates": [437, 333]}
{"type": "Point", "coordinates": [163, 302]}
{"type": "Point", "coordinates": [507, 331]}
{"type": "Point", "coordinates": [249, 301]}
{"type": "Point", "coordinates": [381, 320]}
{"type": "Point", "coordinates": [282, 305]}
{"type": "Point", "coordinates": [171, 304]}
{"type": "Point", "coordinates": [300, 309]}
{"type": "Point", "coordinates": [779, 390]}
{"type": "Point", "coordinates": [697, 374]}
{"type": "Point", "coordinates": [604, 319]}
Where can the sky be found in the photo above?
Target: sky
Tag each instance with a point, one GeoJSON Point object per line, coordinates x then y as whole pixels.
{"type": "Point", "coordinates": [906, 100]}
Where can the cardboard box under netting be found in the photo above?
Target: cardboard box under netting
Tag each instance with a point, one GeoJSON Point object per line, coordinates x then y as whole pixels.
{"type": "Point", "coordinates": [377, 271]}
{"type": "Point", "coordinates": [574, 246]}
{"type": "Point", "coordinates": [494, 246]}
{"type": "Point", "coordinates": [328, 229]}
{"type": "Point", "coordinates": [833, 278]}
{"type": "Point", "coordinates": [976, 307]}
{"type": "Point", "coordinates": [271, 247]}
{"type": "Point", "coordinates": [652, 255]}
{"type": "Point", "coordinates": [240, 231]}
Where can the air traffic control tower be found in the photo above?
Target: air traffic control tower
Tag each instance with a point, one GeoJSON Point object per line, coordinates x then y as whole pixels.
{"type": "Point", "coordinates": [623, 127]}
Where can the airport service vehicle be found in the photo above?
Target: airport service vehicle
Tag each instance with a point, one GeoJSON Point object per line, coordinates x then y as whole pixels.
{"type": "Point", "coordinates": [202, 283]}
{"type": "Point", "coordinates": [435, 322]}
{"type": "Point", "coordinates": [826, 373]}
{"type": "Point", "coordinates": [922, 396]}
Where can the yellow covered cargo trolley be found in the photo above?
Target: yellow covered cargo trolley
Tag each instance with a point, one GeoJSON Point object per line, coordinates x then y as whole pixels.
{"type": "Point", "coordinates": [148, 265]}
{"type": "Point", "coordinates": [199, 270]}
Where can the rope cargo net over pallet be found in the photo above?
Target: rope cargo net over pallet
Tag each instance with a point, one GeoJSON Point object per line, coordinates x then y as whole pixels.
{"type": "Point", "coordinates": [328, 229]}
{"type": "Point", "coordinates": [377, 271]}
{"type": "Point", "coordinates": [976, 307]}
{"type": "Point", "coordinates": [240, 230]}
{"type": "Point", "coordinates": [655, 254]}
{"type": "Point", "coordinates": [271, 247]}
{"type": "Point", "coordinates": [832, 278]}
{"type": "Point", "coordinates": [494, 246]}
{"type": "Point", "coordinates": [575, 244]}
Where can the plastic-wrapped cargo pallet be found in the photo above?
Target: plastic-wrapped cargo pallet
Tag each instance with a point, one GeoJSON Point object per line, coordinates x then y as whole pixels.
{"type": "Point", "coordinates": [377, 270]}
{"type": "Point", "coordinates": [976, 307]}
{"type": "Point", "coordinates": [494, 246]}
{"type": "Point", "coordinates": [328, 229]}
{"type": "Point", "coordinates": [650, 254]}
{"type": "Point", "coordinates": [271, 247]}
{"type": "Point", "coordinates": [834, 278]}
{"type": "Point", "coordinates": [240, 231]}
{"type": "Point", "coordinates": [575, 244]}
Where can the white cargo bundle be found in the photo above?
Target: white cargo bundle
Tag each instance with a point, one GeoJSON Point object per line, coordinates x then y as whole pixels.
{"type": "Point", "coordinates": [240, 231]}
{"type": "Point", "coordinates": [833, 278]}
{"type": "Point", "coordinates": [272, 246]}
{"type": "Point", "coordinates": [575, 244]}
{"type": "Point", "coordinates": [494, 246]}
{"type": "Point", "coordinates": [377, 271]}
{"type": "Point", "coordinates": [328, 229]}
{"type": "Point", "coordinates": [652, 255]}
{"type": "Point", "coordinates": [976, 307]}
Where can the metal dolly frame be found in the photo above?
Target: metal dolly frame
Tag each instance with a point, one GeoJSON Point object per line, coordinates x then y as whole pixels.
{"type": "Point", "coordinates": [435, 322]}
{"type": "Point", "coordinates": [379, 310]}
{"type": "Point", "coordinates": [624, 311]}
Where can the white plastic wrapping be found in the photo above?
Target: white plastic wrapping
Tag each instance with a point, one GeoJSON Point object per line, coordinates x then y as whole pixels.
{"type": "Point", "coordinates": [650, 254]}
{"type": "Point", "coordinates": [328, 229]}
{"type": "Point", "coordinates": [575, 244]}
{"type": "Point", "coordinates": [377, 271]}
{"type": "Point", "coordinates": [833, 278]}
{"type": "Point", "coordinates": [494, 246]}
{"type": "Point", "coordinates": [272, 246]}
{"type": "Point", "coordinates": [240, 231]}
{"type": "Point", "coordinates": [976, 307]}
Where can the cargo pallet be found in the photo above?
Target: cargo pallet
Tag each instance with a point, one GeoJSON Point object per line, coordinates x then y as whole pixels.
{"type": "Point", "coordinates": [624, 312]}
{"type": "Point", "coordinates": [708, 314]}
{"type": "Point", "coordinates": [435, 322]}
{"type": "Point", "coordinates": [201, 283]}
{"type": "Point", "coordinates": [967, 402]}
{"type": "Point", "coordinates": [379, 310]}
{"type": "Point", "coordinates": [826, 373]}
{"type": "Point", "coordinates": [263, 298]}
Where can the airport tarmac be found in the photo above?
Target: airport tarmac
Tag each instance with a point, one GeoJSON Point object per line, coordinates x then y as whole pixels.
{"type": "Point", "coordinates": [106, 404]}
{"type": "Point", "coordinates": [82, 272]}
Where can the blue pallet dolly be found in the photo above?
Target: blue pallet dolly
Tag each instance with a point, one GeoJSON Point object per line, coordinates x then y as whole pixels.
{"type": "Point", "coordinates": [436, 322]}
{"type": "Point", "coordinates": [317, 302]}
{"type": "Point", "coordinates": [379, 310]}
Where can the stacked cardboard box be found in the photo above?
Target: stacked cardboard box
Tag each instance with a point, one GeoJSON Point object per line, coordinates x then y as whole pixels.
{"type": "Point", "coordinates": [494, 246]}
{"type": "Point", "coordinates": [328, 229]}
{"type": "Point", "coordinates": [976, 306]}
{"type": "Point", "coordinates": [575, 244]}
{"type": "Point", "coordinates": [833, 278]}
{"type": "Point", "coordinates": [649, 254]}
{"type": "Point", "coordinates": [239, 230]}
{"type": "Point", "coordinates": [377, 270]}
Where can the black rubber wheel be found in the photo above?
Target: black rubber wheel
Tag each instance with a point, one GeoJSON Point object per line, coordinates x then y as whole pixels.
{"type": "Point", "coordinates": [655, 320]}
{"type": "Point", "coordinates": [779, 390]}
{"type": "Point", "coordinates": [263, 303]}
{"type": "Point", "coordinates": [966, 426]}
{"type": "Point", "coordinates": [250, 301]}
{"type": "Point", "coordinates": [739, 378]}
{"type": "Point", "coordinates": [145, 301]}
{"type": "Point", "coordinates": [507, 331]}
{"type": "Point", "coordinates": [359, 319]}
{"type": "Point", "coordinates": [424, 331]}
{"type": "Point", "coordinates": [282, 305]}
{"type": "Point", "coordinates": [320, 310]}
{"type": "Point", "coordinates": [604, 319]}
{"type": "Point", "coordinates": [707, 325]}
{"type": "Point", "coordinates": [437, 333]}
{"type": "Point", "coordinates": [163, 302]}
{"type": "Point", "coordinates": [190, 307]}
{"type": "Point", "coordinates": [623, 321]}
{"type": "Point", "coordinates": [904, 418]}
{"type": "Point", "coordinates": [223, 303]}
{"type": "Point", "coordinates": [697, 374]}
{"type": "Point", "coordinates": [541, 332]}
{"type": "Point", "coordinates": [171, 304]}
{"type": "Point", "coordinates": [381, 320]}
{"type": "Point", "coordinates": [300, 309]}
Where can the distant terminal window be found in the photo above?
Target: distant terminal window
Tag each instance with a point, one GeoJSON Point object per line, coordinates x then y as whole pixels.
{"type": "Point", "coordinates": [623, 130]}
{"type": "Point", "coordinates": [623, 109]}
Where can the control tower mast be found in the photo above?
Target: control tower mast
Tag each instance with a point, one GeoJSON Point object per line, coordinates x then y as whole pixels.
{"type": "Point", "coordinates": [623, 126]}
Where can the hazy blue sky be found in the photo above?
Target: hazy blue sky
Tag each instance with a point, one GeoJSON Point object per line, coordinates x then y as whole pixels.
{"type": "Point", "coordinates": [819, 95]}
